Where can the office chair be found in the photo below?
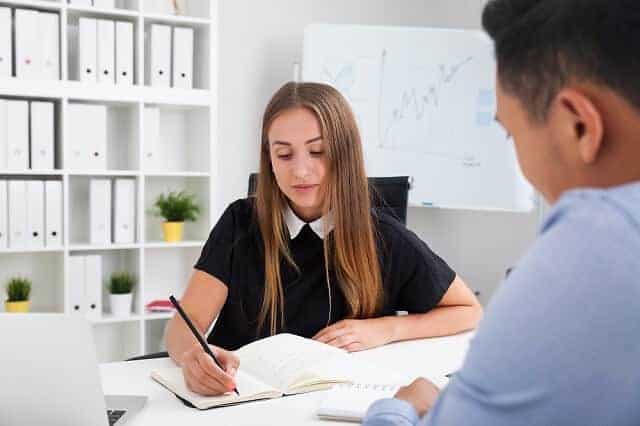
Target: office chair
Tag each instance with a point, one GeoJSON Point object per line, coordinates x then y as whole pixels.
{"type": "Point", "coordinates": [388, 195]}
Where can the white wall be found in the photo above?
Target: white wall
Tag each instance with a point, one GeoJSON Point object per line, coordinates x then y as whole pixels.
{"type": "Point", "coordinates": [260, 40]}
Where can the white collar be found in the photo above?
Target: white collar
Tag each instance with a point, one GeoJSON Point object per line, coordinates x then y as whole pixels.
{"type": "Point", "coordinates": [295, 224]}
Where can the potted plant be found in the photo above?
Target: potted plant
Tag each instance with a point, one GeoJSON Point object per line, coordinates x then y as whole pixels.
{"type": "Point", "coordinates": [18, 291]}
{"type": "Point", "coordinates": [176, 208]}
{"type": "Point", "coordinates": [120, 293]}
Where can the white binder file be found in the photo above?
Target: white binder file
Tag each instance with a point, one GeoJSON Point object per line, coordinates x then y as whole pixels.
{"type": "Point", "coordinates": [4, 213]}
{"type": "Point", "coordinates": [124, 211]}
{"type": "Point", "coordinates": [42, 135]}
{"type": "Point", "coordinates": [53, 213]}
{"type": "Point", "coordinates": [4, 137]}
{"type": "Point", "coordinates": [35, 213]}
{"type": "Point", "coordinates": [151, 138]}
{"type": "Point", "coordinates": [80, 2]}
{"type": "Point", "coordinates": [86, 143]}
{"type": "Point", "coordinates": [28, 46]}
{"type": "Point", "coordinates": [124, 53]}
{"type": "Point", "coordinates": [87, 55]}
{"type": "Point", "coordinates": [183, 58]}
{"type": "Point", "coordinates": [96, 136]}
{"type": "Point", "coordinates": [106, 51]}
{"type": "Point", "coordinates": [6, 42]}
{"type": "Point", "coordinates": [76, 153]}
{"type": "Point", "coordinates": [93, 286]}
{"type": "Point", "coordinates": [17, 135]}
{"type": "Point", "coordinates": [160, 60]}
{"type": "Point", "coordinates": [104, 4]}
{"type": "Point", "coordinates": [100, 211]}
{"type": "Point", "coordinates": [75, 293]}
{"type": "Point", "coordinates": [17, 214]}
{"type": "Point", "coordinates": [49, 25]}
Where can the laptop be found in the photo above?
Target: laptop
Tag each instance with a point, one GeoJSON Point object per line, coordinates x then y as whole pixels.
{"type": "Point", "coordinates": [49, 375]}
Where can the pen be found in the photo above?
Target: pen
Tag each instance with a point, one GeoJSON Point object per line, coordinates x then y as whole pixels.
{"type": "Point", "coordinates": [195, 332]}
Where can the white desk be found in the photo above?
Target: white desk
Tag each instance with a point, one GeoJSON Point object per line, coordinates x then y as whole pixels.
{"type": "Point", "coordinates": [432, 358]}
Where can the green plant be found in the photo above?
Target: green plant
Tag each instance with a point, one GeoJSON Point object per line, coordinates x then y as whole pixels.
{"type": "Point", "coordinates": [121, 283]}
{"type": "Point", "coordinates": [18, 289]}
{"type": "Point", "coordinates": [177, 206]}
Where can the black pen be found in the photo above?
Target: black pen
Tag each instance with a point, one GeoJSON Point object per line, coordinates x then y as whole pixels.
{"type": "Point", "coordinates": [195, 332]}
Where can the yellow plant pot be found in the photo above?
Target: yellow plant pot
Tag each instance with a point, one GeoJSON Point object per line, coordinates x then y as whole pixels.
{"type": "Point", "coordinates": [17, 307]}
{"type": "Point", "coordinates": [172, 231]}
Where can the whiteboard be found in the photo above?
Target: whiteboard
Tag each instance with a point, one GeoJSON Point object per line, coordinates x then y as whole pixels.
{"type": "Point", "coordinates": [424, 100]}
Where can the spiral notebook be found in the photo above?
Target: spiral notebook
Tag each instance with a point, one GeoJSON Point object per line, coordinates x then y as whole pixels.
{"type": "Point", "coordinates": [349, 402]}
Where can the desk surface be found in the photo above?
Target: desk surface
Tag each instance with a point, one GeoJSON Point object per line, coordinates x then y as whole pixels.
{"type": "Point", "coordinates": [432, 358]}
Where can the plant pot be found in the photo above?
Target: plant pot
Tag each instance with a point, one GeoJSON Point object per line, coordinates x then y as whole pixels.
{"type": "Point", "coordinates": [17, 307]}
{"type": "Point", "coordinates": [172, 231]}
{"type": "Point", "coordinates": [121, 304]}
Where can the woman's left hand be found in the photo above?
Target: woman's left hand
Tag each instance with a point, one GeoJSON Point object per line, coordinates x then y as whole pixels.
{"type": "Point", "coordinates": [357, 335]}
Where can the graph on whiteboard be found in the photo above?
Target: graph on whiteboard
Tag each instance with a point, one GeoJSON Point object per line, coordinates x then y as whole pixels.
{"type": "Point", "coordinates": [425, 104]}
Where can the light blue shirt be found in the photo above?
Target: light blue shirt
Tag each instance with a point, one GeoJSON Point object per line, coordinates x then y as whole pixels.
{"type": "Point", "coordinates": [560, 341]}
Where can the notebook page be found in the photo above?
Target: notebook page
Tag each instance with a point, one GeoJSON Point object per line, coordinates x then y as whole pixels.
{"type": "Point", "coordinates": [248, 388]}
{"type": "Point", "coordinates": [350, 402]}
{"type": "Point", "coordinates": [282, 359]}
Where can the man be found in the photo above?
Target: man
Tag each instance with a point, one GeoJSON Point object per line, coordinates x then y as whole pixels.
{"type": "Point", "coordinates": [560, 341]}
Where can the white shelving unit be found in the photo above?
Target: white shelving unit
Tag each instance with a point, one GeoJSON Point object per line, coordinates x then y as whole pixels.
{"type": "Point", "coordinates": [188, 141]}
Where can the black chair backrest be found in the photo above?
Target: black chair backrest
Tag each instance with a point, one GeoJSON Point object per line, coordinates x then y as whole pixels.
{"type": "Point", "coordinates": [388, 194]}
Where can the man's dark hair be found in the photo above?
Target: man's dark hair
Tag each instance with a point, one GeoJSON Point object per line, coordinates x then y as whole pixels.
{"type": "Point", "coordinates": [542, 45]}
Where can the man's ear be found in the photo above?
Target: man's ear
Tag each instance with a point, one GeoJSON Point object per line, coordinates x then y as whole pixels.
{"type": "Point", "coordinates": [580, 120]}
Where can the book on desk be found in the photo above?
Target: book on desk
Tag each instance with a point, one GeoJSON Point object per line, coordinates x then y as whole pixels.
{"type": "Point", "coordinates": [279, 365]}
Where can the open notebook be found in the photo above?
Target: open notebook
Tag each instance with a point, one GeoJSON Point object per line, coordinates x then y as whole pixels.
{"type": "Point", "coordinates": [279, 365]}
{"type": "Point", "coordinates": [349, 402]}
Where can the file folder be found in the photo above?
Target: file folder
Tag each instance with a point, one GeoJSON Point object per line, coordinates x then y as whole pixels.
{"type": "Point", "coordinates": [106, 51]}
{"type": "Point", "coordinates": [93, 286]}
{"type": "Point", "coordinates": [87, 52]}
{"type": "Point", "coordinates": [124, 53]}
{"type": "Point", "coordinates": [124, 211]}
{"type": "Point", "coordinates": [75, 291]}
{"type": "Point", "coordinates": [35, 214]}
{"type": "Point", "coordinates": [49, 25]}
{"type": "Point", "coordinates": [17, 135]}
{"type": "Point", "coordinates": [42, 135]}
{"type": "Point", "coordinates": [183, 58]}
{"type": "Point", "coordinates": [160, 56]}
{"type": "Point", "coordinates": [6, 43]}
{"type": "Point", "coordinates": [53, 213]}
{"type": "Point", "coordinates": [28, 46]}
{"type": "Point", "coordinates": [4, 213]}
{"type": "Point", "coordinates": [86, 144]}
{"type": "Point", "coordinates": [100, 211]}
{"type": "Point", "coordinates": [17, 214]}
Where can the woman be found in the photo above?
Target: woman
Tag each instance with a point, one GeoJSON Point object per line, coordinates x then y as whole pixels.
{"type": "Point", "coordinates": [309, 256]}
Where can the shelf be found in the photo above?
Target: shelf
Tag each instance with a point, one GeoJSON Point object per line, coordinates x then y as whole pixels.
{"type": "Point", "coordinates": [181, 244]}
{"type": "Point", "coordinates": [36, 4]}
{"type": "Point", "coordinates": [93, 247]}
{"type": "Point", "coordinates": [31, 250]}
{"type": "Point", "coordinates": [31, 172]}
{"type": "Point", "coordinates": [110, 319]}
{"type": "Point", "coordinates": [79, 91]}
{"type": "Point", "coordinates": [94, 12]}
{"type": "Point", "coordinates": [154, 18]}
{"type": "Point", "coordinates": [150, 316]}
{"type": "Point", "coordinates": [132, 173]}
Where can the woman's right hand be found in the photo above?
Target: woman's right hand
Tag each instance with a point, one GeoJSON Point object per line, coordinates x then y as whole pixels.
{"type": "Point", "coordinates": [203, 376]}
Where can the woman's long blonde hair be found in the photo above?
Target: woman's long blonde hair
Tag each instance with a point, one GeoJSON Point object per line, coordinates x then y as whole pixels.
{"type": "Point", "coordinates": [350, 249]}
